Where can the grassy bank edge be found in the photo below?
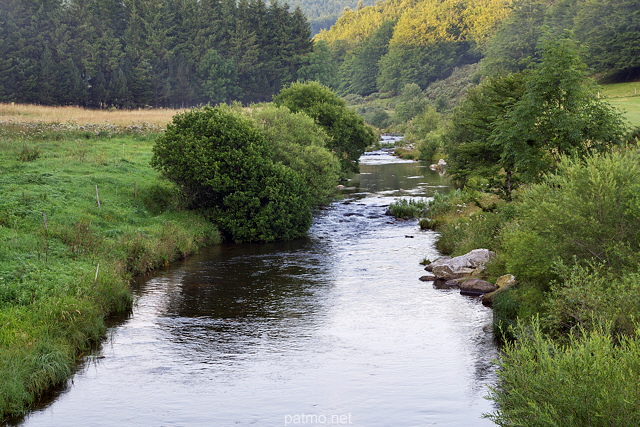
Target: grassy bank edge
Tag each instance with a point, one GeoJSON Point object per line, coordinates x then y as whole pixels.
{"type": "Point", "coordinates": [63, 274]}
{"type": "Point", "coordinates": [64, 329]}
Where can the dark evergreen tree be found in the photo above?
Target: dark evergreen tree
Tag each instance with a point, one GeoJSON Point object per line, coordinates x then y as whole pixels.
{"type": "Point", "coordinates": [610, 31]}
{"type": "Point", "coordinates": [130, 53]}
{"type": "Point", "coordinates": [513, 48]}
{"type": "Point", "coordinates": [319, 66]}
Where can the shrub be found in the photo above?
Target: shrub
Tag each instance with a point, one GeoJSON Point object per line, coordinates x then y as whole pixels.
{"type": "Point", "coordinates": [426, 130]}
{"type": "Point", "coordinates": [349, 135]}
{"type": "Point", "coordinates": [221, 161]}
{"type": "Point", "coordinates": [587, 297]}
{"type": "Point", "coordinates": [408, 208]}
{"type": "Point", "coordinates": [28, 154]}
{"type": "Point", "coordinates": [589, 381]}
{"type": "Point", "coordinates": [587, 211]}
{"type": "Point", "coordinates": [443, 203]}
{"type": "Point", "coordinates": [505, 307]}
{"type": "Point", "coordinates": [378, 117]}
{"type": "Point", "coordinates": [298, 143]}
{"type": "Point", "coordinates": [159, 197]}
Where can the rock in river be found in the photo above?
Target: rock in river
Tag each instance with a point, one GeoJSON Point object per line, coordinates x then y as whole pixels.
{"type": "Point", "coordinates": [503, 283]}
{"type": "Point", "coordinates": [467, 265]}
{"type": "Point", "coordinates": [476, 287]}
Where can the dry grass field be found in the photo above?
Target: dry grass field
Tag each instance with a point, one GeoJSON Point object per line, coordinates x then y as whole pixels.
{"type": "Point", "coordinates": [23, 113]}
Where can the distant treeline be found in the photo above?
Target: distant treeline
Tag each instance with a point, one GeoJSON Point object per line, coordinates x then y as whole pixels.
{"type": "Point", "coordinates": [133, 53]}
{"type": "Point", "coordinates": [322, 14]}
{"type": "Point", "coordinates": [384, 47]}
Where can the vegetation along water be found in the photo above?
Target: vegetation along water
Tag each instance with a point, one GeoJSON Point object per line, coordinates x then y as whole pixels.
{"type": "Point", "coordinates": [501, 96]}
{"type": "Point", "coordinates": [332, 325]}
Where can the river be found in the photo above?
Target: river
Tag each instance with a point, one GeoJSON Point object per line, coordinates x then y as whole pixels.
{"type": "Point", "coordinates": [334, 329]}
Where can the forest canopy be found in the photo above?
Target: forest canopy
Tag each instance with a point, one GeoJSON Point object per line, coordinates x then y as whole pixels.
{"type": "Point", "coordinates": [421, 41]}
{"type": "Point", "coordinates": [136, 53]}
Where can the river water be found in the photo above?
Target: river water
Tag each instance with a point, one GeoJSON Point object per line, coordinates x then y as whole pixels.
{"type": "Point", "coordinates": [334, 329]}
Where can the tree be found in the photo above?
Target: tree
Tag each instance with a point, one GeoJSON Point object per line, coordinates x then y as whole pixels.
{"type": "Point", "coordinates": [348, 132]}
{"type": "Point", "coordinates": [513, 48]}
{"type": "Point", "coordinates": [559, 113]}
{"type": "Point", "coordinates": [319, 66]}
{"type": "Point", "coordinates": [422, 64]}
{"type": "Point", "coordinates": [218, 77]}
{"type": "Point", "coordinates": [131, 53]}
{"type": "Point", "coordinates": [410, 103]}
{"type": "Point", "coordinates": [220, 160]}
{"type": "Point", "coordinates": [611, 33]}
{"type": "Point", "coordinates": [360, 70]}
{"type": "Point", "coordinates": [469, 140]}
{"type": "Point", "coordinates": [514, 129]}
{"type": "Point", "coordinates": [297, 142]}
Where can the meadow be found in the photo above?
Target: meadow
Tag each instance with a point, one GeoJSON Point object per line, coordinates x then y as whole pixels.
{"type": "Point", "coordinates": [81, 213]}
{"type": "Point", "coordinates": [625, 97]}
{"type": "Point", "coordinates": [148, 118]}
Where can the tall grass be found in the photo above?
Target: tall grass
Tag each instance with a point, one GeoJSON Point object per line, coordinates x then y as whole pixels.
{"type": "Point", "coordinates": [590, 381]}
{"type": "Point", "coordinates": [408, 208]}
{"type": "Point", "coordinates": [66, 261]}
{"type": "Point", "coordinates": [25, 113]}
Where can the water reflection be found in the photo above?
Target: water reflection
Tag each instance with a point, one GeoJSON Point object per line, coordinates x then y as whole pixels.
{"type": "Point", "coordinates": [237, 298]}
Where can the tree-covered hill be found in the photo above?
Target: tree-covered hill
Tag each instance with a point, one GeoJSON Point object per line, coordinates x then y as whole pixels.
{"type": "Point", "coordinates": [322, 14]}
{"type": "Point", "coordinates": [382, 48]}
{"type": "Point", "coordinates": [398, 42]}
{"type": "Point", "coordinates": [131, 53]}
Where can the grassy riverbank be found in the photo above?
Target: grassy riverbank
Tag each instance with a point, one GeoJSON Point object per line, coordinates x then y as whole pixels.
{"type": "Point", "coordinates": [571, 323]}
{"type": "Point", "coordinates": [81, 212]}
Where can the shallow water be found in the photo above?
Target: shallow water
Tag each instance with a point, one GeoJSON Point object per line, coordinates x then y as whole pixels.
{"type": "Point", "coordinates": [334, 329]}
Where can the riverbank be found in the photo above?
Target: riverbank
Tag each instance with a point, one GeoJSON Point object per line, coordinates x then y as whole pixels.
{"type": "Point", "coordinates": [572, 243]}
{"type": "Point", "coordinates": [81, 213]}
{"type": "Point", "coordinates": [334, 324]}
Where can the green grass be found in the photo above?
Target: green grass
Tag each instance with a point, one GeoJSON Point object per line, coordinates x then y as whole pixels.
{"type": "Point", "coordinates": [626, 97]}
{"type": "Point", "coordinates": [408, 208]}
{"type": "Point", "coordinates": [60, 279]}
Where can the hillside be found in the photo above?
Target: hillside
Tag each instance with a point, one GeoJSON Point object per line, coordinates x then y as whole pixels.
{"type": "Point", "coordinates": [322, 14]}
{"type": "Point", "coordinates": [398, 42]}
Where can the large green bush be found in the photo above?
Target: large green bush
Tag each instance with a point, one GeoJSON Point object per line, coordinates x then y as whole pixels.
{"type": "Point", "coordinates": [588, 211]}
{"type": "Point", "coordinates": [297, 142]}
{"type": "Point", "coordinates": [590, 381]}
{"type": "Point", "coordinates": [349, 135]}
{"type": "Point", "coordinates": [221, 161]}
{"type": "Point", "coordinates": [587, 297]}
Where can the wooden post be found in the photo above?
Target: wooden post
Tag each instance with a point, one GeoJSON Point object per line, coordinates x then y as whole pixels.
{"type": "Point", "coordinates": [46, 240]}
{"type": "Point", "coordinates": [97, 197]}
{"type": "Point", "coordinates": [135, 189]}
{"type": "Point", "coordinates": [95, 279]}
